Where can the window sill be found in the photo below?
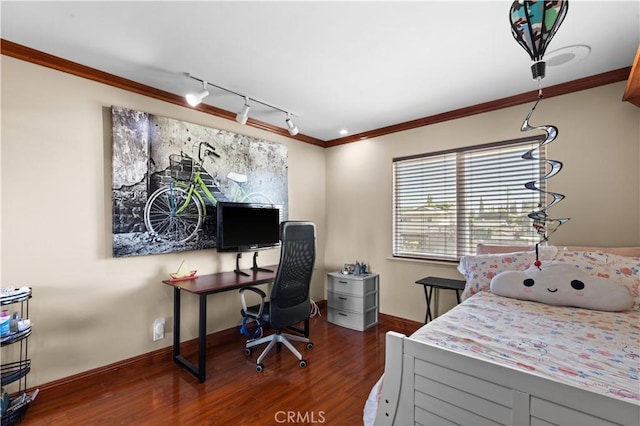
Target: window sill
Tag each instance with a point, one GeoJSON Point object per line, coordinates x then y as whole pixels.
{"type": "Point", "coordinates": [429, 261]}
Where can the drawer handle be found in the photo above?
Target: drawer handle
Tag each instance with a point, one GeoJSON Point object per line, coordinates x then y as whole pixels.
{"type": "Point", "coordinates": [342, 298]}
{"type": "Point", "coordinates": [343, 282]}
{"type": "Point", "coordinates": [344, 315]}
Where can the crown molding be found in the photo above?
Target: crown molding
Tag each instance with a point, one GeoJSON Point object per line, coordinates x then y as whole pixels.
{"type": "Point", "coordinates": [549, 92]}
{"type": "Point", "coordinates": [27, 54]}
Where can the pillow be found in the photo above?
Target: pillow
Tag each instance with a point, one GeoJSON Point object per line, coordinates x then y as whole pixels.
{"type": "Point", "coordinates": [480, 269]}
{"type": "Point", "coordinates": [623, 270]}
{"type": "Point", "coordinates": [562, 284]}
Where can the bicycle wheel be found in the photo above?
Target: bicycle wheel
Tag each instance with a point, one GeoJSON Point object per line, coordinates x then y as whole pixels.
{"type": "Point", "coordinates": [256, 197]}
{"type": "Point", "coordinates": [166, 225]}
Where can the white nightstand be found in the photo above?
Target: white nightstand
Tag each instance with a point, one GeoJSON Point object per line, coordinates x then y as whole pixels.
{"type": "Point", "coordinates": [352, 300]}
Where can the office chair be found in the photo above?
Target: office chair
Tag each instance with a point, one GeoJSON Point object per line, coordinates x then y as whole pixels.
{"type": "Point", "coordinates": [289, 302]}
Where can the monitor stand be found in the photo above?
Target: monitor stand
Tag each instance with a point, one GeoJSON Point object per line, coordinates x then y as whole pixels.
{"type": "Point", "coordinates": [255, 266]}
{"type": "Point", "coordinates": [237, 270]}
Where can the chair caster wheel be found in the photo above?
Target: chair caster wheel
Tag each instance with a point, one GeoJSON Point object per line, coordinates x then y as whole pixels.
{"type": "Point", "coordinates": [303, 363]}
{"type": "Point", "coordinates": [309, 345]}
{"type": "Point", "coordinates": [248, 351]}
{"type": "Point", "coordinates": [259, 368]}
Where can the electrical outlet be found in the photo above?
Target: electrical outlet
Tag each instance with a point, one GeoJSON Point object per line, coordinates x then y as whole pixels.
{"type": "Point", "coordinates": [158, 329]}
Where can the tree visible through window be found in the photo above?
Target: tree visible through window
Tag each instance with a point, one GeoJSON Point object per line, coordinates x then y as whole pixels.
{"type": "Point", "coordinates": [447, 203]}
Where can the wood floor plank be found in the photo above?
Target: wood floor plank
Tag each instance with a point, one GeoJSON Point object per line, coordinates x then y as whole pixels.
{"type": "Point", "coordinates": [342, 368]}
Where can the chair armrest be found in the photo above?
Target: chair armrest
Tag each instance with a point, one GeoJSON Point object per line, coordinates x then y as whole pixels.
{"type": "Point", "coordinates": [259, 292]}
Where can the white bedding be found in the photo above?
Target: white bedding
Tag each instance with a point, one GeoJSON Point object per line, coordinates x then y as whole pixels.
{"type": "Point", "coordinates": [593, 350]}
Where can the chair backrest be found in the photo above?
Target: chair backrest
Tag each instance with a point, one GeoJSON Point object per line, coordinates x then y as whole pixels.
{"type": "Point", "coordinates": [290, 291]}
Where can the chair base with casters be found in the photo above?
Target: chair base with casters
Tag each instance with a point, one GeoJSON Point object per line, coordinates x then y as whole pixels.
{"type": "Point", "coordinates": [277, 338]}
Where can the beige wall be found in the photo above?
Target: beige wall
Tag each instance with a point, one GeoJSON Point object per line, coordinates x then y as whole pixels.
{"type": "Point", "coordinates": [599, 143]}
{"type": "Point", "coordinates": [90, 309]}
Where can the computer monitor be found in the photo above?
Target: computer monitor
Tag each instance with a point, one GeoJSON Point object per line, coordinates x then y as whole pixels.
{"type": "Point", "coordinates": [243, 227]}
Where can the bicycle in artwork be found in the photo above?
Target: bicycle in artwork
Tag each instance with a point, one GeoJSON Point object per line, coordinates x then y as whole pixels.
{"type": "Point", "coordinates": [176, 211]}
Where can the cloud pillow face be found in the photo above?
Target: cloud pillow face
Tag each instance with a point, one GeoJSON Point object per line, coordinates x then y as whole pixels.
{"type": "Point", "coordinates": [563, 285]}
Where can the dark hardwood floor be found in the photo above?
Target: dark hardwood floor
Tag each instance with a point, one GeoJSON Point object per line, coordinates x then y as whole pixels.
{"type": "Point", "coordinates": [342, 367]}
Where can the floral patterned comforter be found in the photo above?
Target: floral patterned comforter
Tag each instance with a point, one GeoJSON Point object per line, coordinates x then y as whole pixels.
{"type": "Point", "coordinates": [594, 350]}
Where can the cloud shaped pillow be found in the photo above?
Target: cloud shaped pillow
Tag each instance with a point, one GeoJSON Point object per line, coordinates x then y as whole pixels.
{"type": "Point", "coordinates": [564, 285]}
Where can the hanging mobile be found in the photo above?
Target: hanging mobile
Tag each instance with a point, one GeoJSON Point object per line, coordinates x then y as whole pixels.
{"type": "Point", "coordinates": [533, 25]}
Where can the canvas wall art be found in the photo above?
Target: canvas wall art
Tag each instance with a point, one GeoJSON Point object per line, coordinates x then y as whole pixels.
{"type": "Point", "coordinates": [168, 176]}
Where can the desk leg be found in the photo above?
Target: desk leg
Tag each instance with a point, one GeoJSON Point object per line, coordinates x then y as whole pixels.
{"type": "Point", "coordinates": [197, 370]}
{"type": "Point", "coordinates": [176, 322]}
{"type": "Point", "coordinates": [202, 339]}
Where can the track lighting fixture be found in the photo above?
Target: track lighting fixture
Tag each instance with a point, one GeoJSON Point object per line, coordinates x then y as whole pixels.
{"type": "Point", "coordinates": [293, 129]}
{"type": "Point", "coordinates": [243, 115]}
{"type": "Point", "coordinates": [194, 99]}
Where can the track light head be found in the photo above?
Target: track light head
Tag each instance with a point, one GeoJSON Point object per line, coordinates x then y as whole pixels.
{"type": "Point", "coordinates": [194, 99]}
{"type": "Point", "coordinates": [243, 115]}
{"type": "Point", "coordinates": [293, 129]}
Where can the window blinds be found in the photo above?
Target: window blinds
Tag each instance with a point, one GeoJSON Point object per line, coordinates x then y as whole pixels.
{"type": "Point", "coordinates": [446, 203]}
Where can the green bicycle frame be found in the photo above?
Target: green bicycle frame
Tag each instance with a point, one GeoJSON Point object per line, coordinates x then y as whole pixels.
{"type": "Point", "coordinates": [192, 190]}
{"type": "Point", "coordinates": [205, 190]}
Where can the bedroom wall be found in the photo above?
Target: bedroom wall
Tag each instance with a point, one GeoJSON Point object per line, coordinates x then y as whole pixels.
{"type": "Point", "coordinates": [599, 143]}
{"type": "Point", "coordinates": [90, 309]}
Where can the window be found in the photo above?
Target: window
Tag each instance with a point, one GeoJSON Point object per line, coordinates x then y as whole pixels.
{"type": "Point", "coordinates": [446, 203]}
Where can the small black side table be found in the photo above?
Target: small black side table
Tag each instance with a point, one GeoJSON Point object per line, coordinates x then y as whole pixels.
{"type": "Point", "coordinates": [438, 284]}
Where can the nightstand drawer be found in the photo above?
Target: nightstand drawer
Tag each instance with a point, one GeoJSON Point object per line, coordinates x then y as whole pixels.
{"type": "Point", "coordinates": [352, 320]}
{"type": "Point", "coordinates": [356, 285]}
{"type": "Point", "coordinates": [356, 304]}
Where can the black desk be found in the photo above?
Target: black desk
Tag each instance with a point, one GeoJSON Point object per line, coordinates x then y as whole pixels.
{"type": "Point", "coordinates": [439, 284]}
{"type": "Point", "coordinates": [203, 286]}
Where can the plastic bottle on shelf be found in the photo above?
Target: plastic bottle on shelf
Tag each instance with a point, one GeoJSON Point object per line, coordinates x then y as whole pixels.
{"type": "Point", "coordinates": [4, 323]}
{"type": "Point", "coordinates": [13, 323]}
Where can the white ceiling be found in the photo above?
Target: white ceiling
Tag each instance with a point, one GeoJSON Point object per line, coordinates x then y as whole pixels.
{"type": "Point", "coordinates": [356, 65]}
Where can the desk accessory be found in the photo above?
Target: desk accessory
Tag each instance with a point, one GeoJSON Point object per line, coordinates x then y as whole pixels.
{"type": "Point", "coordinates": [183, 273]}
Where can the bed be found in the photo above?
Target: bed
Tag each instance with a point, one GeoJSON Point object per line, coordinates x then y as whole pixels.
{"type": "Point", "coordinates": [500, 360]}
